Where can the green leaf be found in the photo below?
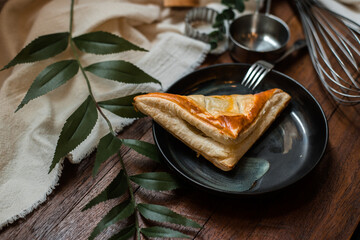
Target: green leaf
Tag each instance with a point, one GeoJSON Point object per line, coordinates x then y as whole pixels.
{"type": "Point", "coordinates": [120, 71]}
{"type": "Point", "coordinates": [117, 213]}
{"type": "Point", "coordinates": [147, 149]}
{"type": "Point", "coordinates": [239, 5]}
{"type": "Point", "coordinates": [162, 232]}
{"type": "Point", "coordinates": [213, 44]}
{"type": "Point", "coordinates": [122, 106]}
{"type": "Point", "coordinates": [41, 48]}
{"type": "Point", "coordinates": [108, 146]}
{"type": "Point", "coordinates": [216, 36]}
{"type": "Point", "coordinates": [228, 3]}
{"type": "Point", "coordinates": [220, 17]}
{"type": "Point", "coordinates": [159, 181]}
{"type": "Point", "coordinates": [124, 234]}
{"type": "Point", "coordinates": [50, 78]}
{"type": "Point", "coordinates": [115, 189]}
{"type": "Point", "coordinates": [163, 214]}
{"type": "Point", "coordinates": [104, 43]}
{"type": "Point", "coordinates": [76, 129]}
{"type": "Point", "coordinates": [228, 14]}
{"type": "Point", "coordinates": [249, 171]}
{"type": "Point", "coordinates": [219, 24]}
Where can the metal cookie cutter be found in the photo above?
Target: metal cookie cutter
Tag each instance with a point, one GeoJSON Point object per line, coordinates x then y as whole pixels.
{"type": "Point", "coordinates": [198, 24]}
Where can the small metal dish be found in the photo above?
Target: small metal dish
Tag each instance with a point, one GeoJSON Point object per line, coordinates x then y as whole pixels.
{"type": "Point", "coordinates": [258, 36]}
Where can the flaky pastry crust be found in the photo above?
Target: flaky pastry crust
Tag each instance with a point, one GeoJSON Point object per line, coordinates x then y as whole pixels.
{"type": "Point", "coordinates": [220, 128]}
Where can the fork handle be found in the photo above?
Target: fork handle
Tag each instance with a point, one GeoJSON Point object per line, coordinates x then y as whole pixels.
{"type": "Point", "coordinates": [296, 46]}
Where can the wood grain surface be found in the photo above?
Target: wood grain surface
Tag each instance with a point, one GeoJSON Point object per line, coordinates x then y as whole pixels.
{"type": "Point", "coordinates": [323, 205]}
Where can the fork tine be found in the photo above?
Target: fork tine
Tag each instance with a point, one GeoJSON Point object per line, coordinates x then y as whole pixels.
{"type": "Point", "coordinates": [248, 73]}
{"type": "Point", "coordinates": [260, 78]}
{"type": "Point", "coordinates": [252, 74]}
{"type": "Point", "coordinates": [256, 74]}
{"type": "Point", "coordinates": [259, 68]}
{"type": "Point", "coordinates": [256, 77]}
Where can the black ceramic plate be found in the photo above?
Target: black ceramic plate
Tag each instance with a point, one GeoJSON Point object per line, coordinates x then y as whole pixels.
{"type": "Point", "coordinates": [293, 144]}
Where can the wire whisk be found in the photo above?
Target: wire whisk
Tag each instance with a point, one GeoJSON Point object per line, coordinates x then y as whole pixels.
{"type": "Point", "coordinates": [334, 47]}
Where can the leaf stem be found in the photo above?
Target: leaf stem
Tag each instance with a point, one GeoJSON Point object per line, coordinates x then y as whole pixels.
{"type": "Point", "coordinates": [131, 193]}
{"type": "Point", "coordinates": [71, 17]}
{"type": "Point", "coordinates": [73, 48]}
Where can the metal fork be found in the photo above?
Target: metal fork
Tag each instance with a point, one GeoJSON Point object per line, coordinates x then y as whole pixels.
{"type": "Point", "coordinates": [259, 69]}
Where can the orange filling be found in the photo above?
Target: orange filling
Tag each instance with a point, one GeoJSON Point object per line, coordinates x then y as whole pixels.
{"type": "Point", "coordinates": [230, 125]}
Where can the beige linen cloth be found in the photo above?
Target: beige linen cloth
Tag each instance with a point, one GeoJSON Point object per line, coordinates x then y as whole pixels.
{"type": "Point", "coordinates": [28, 138]}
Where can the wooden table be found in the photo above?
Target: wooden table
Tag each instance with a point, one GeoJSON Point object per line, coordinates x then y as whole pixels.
{"type": "Point", "coordinates": [323, 205]}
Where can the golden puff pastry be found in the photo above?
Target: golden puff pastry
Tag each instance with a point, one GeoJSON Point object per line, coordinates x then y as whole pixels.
{"type": "Point", "coordinates": [220, 128]}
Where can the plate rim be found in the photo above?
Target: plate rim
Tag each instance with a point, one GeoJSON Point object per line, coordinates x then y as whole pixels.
{"type": "Point", "coordinates": [213, 190]}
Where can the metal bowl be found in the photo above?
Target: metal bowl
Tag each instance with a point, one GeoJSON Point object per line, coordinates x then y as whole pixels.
{"type": "Point", "coordinates": [258, 36]}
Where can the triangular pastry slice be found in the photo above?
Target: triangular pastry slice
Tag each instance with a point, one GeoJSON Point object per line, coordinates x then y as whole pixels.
{"type": "Point", "coordinates": [220, 128]}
